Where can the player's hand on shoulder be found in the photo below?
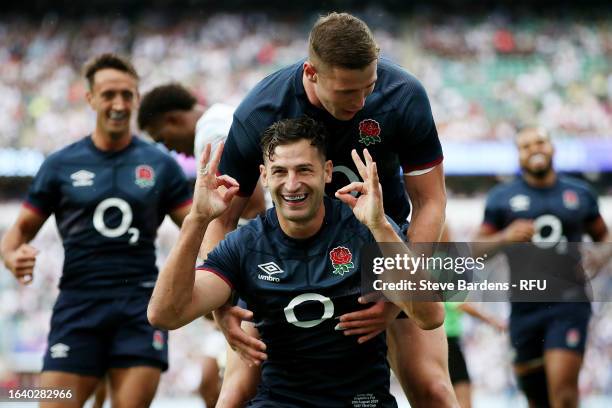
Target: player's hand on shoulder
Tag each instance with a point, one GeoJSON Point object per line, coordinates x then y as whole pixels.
{"type": "Point", "coordinates": [368, 205]}
{"type": "Point", "coordinates": [249, 348]}
{"type": "Point", "coordinates": [21, 263]}
{"type": "Point", "coordinates": [520, 230]}
{"type": "Point", "coordinates": [212, 193]}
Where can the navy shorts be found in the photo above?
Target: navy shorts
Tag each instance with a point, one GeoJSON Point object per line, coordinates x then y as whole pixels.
{"type": "Point", "coordinates": [456, 362]}
{"type": "Point", "coordinates": [88, 335]}
{"type": "Point", "coordinates": [551, 326]}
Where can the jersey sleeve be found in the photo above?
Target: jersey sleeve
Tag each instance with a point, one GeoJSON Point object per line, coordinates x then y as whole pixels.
{"type": "Point", "coordinates": [420, 147]}
{"type": "Point", "coordinates": [176, 188]}
{"type": "Point", "coordinates": [592, 207]}
{"type": "Point", "coordinates": [224, 261]}
{"type": "Point", "coordinates": [44, 193]}
{"type": "Point", "coordinates": [493, 215]}
{"type": "Point", "coordinates": [242, 156]}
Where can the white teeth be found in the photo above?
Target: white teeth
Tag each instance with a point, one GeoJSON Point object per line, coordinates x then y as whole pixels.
{"type": "Point", "coordinates": [295, 197]}
{"type": "Point", "coordinates": [117, 115]}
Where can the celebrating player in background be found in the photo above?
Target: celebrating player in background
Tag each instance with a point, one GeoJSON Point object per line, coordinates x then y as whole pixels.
{"type": "Point", "coordinates": [363, 101]}
{"type": "Point", "coordinates": [310, 362]}
{"type": "Point", "coordinates": [109, 192]}
{"type": "Point", "coordinates": [549, 338]}
{"type": "Point", "coordinates": [171, 115]}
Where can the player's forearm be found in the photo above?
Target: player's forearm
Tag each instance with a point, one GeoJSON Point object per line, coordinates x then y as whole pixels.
{"type": "Point", "coordinates": [173, 290]}
{"type": "Point", "coordinates": [239, 382]}
{"type": "Point", "coordinates": [12, 240]}
{"type": "Point", "coordinates": [427, 219]}
{"type": "Point", "coordinates": [427, 315]}
{"type": "Point", "coordinates": [222, 225]}
{"type": "Point", "coordinates": [488, 243]}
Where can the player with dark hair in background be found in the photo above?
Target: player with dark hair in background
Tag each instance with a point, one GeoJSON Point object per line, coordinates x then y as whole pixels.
{"type": "Point", "coordinates": [170, 114]}
{"type": "Point", "coordinates": [109, 193]}
{"type": "Point", "coordinates": [543, 207]}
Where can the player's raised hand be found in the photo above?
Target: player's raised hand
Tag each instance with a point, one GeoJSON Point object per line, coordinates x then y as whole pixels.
{"type": "Point", "coordinates": [21, 263]}
{"type": "Point", "coordinates": [212, 193]}
{"type": "Point", "coordinates": [368, 205]}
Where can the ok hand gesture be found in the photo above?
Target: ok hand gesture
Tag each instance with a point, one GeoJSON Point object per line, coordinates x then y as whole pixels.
{"type": "Point", "coordinates": [368, 206]}
{"type": "Point", "coordinates": [213, 193]}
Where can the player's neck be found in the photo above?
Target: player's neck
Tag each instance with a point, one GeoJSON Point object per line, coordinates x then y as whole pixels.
{"type": "Point", "coordinates": [302, 230]}
{"type": "Point", "coordinates": [107, 142]}
{"type": "Point", "coordinates": [541, 182]}
{"type": "Point", "coordinates": [310, 92]}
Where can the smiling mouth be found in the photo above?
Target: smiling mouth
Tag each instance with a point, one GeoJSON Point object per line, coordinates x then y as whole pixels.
{"type": "Point", "coordinates": [117, 116]}
{"type": "Point", "coordinates": [295, 198]}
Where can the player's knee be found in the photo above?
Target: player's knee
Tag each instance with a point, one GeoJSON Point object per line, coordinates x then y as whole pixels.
{"type": "Point", "coordinates": [534, 387]}
{"type": "Point", "coordinates": [564, 398]}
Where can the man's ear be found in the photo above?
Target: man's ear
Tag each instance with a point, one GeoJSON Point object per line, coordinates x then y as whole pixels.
{"type": "Point", "coordinates": [263, 175]}
{"type": "Point", "coordinates": [329, 170]}
{"type": "Point", "coordinates": [310, 71]}
{"type": "Point", "coordinates": [89, 98]}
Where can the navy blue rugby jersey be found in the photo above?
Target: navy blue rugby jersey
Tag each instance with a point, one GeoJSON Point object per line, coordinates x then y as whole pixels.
{"type": "Point", "coordinates": [108, 206]}
{"type": "Point", "coordinates": [560, 214]}
{"type": "Point", "coordinates": [296, 290]}
{"type": "Point", "coordinates": [396, 125]}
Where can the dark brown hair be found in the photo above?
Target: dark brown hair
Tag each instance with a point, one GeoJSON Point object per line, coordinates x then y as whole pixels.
{"type": "Point", "coordinates": [107, 60]}
{"type": "Point", "coordinates": [289, 131]}
{"type": "Point", "coordinates": [163, 99]}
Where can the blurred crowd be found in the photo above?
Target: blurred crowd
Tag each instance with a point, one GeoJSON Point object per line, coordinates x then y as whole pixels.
{"type": "Point", "coordinates": [25, 314]}
{"type": "Point", "coordinates": [485, 76]}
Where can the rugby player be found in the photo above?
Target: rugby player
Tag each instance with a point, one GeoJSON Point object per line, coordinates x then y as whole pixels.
{"type": "Point", "coordinates": [109, 193]}
{"type": "Point", "coordinates": [363, 101]}
{"type": "Point", "coordinates": [283, 266]}
{"type": "Point", "coordinates": [549, 338]}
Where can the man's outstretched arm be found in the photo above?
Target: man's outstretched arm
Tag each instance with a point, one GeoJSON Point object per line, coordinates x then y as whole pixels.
{"type": "Point", "coordinates": [180, 294]}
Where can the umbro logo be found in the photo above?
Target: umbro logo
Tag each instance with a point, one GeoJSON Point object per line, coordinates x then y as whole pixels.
{"type": "Point", "coordinates": [59, 350]}
{"type": "Point", "coordinates": [82, 178]}
{"type": "Point", "coordinates": [270, 268]}
{"type": "Point", "coordinates": [520, 202]}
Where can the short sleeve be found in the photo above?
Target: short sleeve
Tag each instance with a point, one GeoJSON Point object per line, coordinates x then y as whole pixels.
{"type": "Point", "coordinates": [242, 157]}
{"type": "Point", "coordinates": [494, 215]}
{"type": "Point", "coordinates": [176, 189]}
{"type": "Point", "coordinates": [224, 260]}
{"type": "Point", "coordinates": [44, 193]}
{"type": "Point", "coordinates": [421, 148]}
{"type": "Point", "coordinates": [592, 207]}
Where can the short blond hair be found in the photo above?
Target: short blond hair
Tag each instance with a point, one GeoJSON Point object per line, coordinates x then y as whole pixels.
{"type": "Point", "coordinates": [342, 40]}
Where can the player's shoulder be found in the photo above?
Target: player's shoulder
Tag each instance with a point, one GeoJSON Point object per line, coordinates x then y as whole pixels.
{"type": "Point", "coordinates": [393, 76]}
{"type": "Point", "coordinates": [270, 95]}
{"type": "Point", "coordinates": [397, 88]}
{"type": "Point", "coordinates": [505, 189]}
{"type": "Point", "coordinates": [153, 151]}
{"type": "Point", "coordinates": [73, 150]}
{"type": "Point", "coordinates": [575, 184]}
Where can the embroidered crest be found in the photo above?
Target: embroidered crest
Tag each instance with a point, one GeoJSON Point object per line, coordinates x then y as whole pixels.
{"type": "Point", "coordinates": [570, 199]}
{"type": "Point", "coordinates": [145, 176]}
{"type": "Point", "coordinates": [158, 340]}
{"type": "Point", "coordinates": [369, 132]}
{"type": "Point", "coordinates": [341, 258]}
